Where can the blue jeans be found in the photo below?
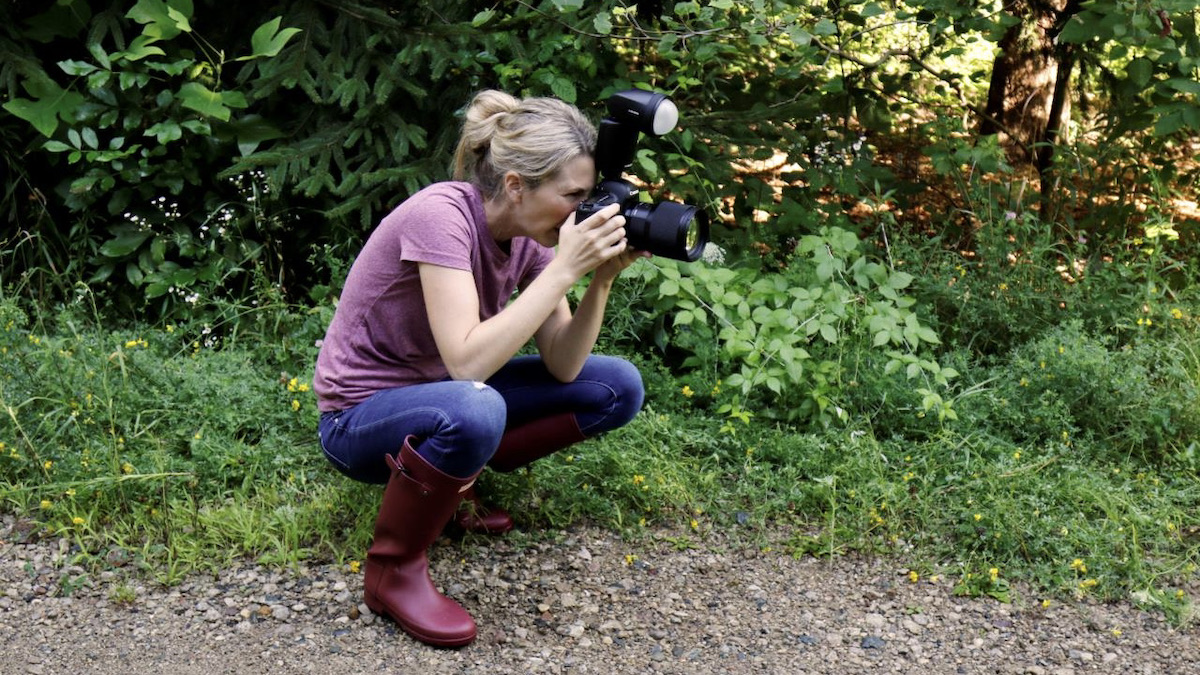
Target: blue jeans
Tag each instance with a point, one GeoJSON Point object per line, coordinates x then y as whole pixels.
{"type": "Point", "coordinates": [460, 423]}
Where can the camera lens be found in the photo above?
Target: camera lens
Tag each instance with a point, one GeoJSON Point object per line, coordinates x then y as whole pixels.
{"type": "Point", "coordinates": [693, 235]}
{"type": "Point", "coordinates": [669, 229]}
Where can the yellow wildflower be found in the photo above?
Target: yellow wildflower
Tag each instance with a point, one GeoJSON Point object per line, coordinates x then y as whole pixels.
{"type": "Point", "coordinates": [355, 566]}
{"type": "Point", "coordinates": [687, 391]}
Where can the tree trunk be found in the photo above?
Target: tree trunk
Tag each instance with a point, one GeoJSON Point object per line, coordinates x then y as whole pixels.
{"type": "Point", "coordinates": [1025, 77]}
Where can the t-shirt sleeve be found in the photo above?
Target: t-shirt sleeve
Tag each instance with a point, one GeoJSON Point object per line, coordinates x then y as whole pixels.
{"type": "Point", "coordinates": [436, 231]}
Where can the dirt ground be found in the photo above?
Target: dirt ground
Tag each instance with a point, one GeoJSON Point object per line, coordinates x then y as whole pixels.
{"type": "Point", "coordinates": [578, 601]}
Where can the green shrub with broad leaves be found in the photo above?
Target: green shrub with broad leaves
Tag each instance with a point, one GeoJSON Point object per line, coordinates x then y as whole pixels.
{"type": "Point", "coordinates": [791, 342]}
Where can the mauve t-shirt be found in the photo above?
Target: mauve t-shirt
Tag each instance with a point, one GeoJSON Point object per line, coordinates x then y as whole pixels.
{"type": "Point", "coordinates": [380, 337]}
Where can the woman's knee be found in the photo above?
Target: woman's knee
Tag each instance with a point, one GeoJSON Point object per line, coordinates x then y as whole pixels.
{"type": "Point", "coordinates": [481, 417]}
{"type": "Point", "coordinates": [625, 382]}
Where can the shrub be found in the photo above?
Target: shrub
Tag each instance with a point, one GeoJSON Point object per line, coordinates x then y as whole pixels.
{"type": "Point", "coordinates": [1139, 399]}
{"type": "Point", "coordinates": [790, 342]}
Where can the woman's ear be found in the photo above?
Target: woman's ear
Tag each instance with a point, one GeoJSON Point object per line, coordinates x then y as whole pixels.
{"type": "Point", "coordinates": [514, 187]}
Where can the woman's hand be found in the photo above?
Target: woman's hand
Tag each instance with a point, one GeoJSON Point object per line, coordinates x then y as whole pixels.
{"type": "Point", "coordinates": [597, 240]}
{"type": "Point", "coordinates": [611, 268]}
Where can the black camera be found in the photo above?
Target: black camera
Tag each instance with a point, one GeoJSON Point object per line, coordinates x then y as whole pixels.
{"type": "Point", "coordinates": [669, 229]}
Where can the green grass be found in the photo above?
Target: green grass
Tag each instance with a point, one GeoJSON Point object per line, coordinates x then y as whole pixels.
{"type": "Point", "coordinates": [166, 449]}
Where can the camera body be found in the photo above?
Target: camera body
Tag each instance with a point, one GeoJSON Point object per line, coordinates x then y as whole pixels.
{"type": "Point", "coordinates": [669, 229]}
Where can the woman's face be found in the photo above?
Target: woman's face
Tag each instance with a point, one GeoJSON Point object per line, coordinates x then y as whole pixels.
{"type": "Point", "coordinates": [543, 209]}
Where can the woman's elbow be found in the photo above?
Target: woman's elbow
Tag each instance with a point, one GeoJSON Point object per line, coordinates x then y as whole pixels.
{"type": "Point", "coordinates": [563, 373]}
{"type": "Point", "coordinates": [467, 370]}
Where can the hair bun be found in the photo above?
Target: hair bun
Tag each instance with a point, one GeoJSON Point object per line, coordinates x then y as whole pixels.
{"type": "Point", "coordinates": [532, 137]}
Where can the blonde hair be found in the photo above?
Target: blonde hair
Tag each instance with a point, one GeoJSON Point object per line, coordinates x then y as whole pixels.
{"type": "Point", "coordinates": [533, 137]}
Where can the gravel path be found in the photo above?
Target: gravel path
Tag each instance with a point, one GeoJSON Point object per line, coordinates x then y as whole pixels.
{"type": "Point", "coordinates": [582, 601]}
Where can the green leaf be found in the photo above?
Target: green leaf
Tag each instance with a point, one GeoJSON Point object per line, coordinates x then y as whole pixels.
{"type": "Point", "coordinates": [249, 132]}
{"type": "Point", "coordinates": [129, 238]}
{"type": "Point", "coordinates": [268, 40]}
{"type": "Point", "coordinates": [1184, 85]}
{"type": "Point", "coordinates": [166, 131]}
{"type": "Point", "coordinates": [872, 9]}
{"type": "Point", "coordinates": [162, 20]}
{"type": "Point", "coordinates": [563, 88]}
{"type": "Point", "coordinates": [50, 103]}
{"type": "Point", "coordinates": [603, 23]}
{"type": "Point", "coordinates": [829, 333]}
{"type": "Point", "coordinates": [825, 27]}
{"type": "Point", "coordinates": [76, 68]}
{"type": "Point", "coordinates": [483, 17]}
{"type": "Point", "coordinates": [141, 47]}
{"type": "Point", "coordinates": [801, 37]}
{"type": "Point", "coordinates": [1139, 72]}
{"type": "Point", "coordinates": [203, 100]}
{"type": "Point", "coordinates": [180, 19]}
{"type": "Point", "coordinates": [899, 280]}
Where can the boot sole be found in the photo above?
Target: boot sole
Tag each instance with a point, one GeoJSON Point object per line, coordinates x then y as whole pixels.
{"type": "Point", "coordinates": [378, 609]}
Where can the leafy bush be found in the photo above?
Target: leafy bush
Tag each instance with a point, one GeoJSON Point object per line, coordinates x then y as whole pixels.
{"type": "Point", "coordinates": [137, 131]}
{"type": "Point", "coordinates": [791, 342]}
{"type": "Point", "coordinates": [1142, 399]}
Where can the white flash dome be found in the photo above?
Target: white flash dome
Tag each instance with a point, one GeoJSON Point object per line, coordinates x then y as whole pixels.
{"type": "Point", "coordinates": [666, 116]}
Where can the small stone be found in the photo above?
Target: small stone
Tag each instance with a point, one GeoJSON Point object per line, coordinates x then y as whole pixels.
{"type": "Point", "coordinates": [873, 642]}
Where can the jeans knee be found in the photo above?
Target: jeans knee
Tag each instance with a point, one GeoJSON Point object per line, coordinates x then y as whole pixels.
{"type": "Point", "coordinates": [482, 417]}
{"type": "Point", "coordinates": [629, 393]}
